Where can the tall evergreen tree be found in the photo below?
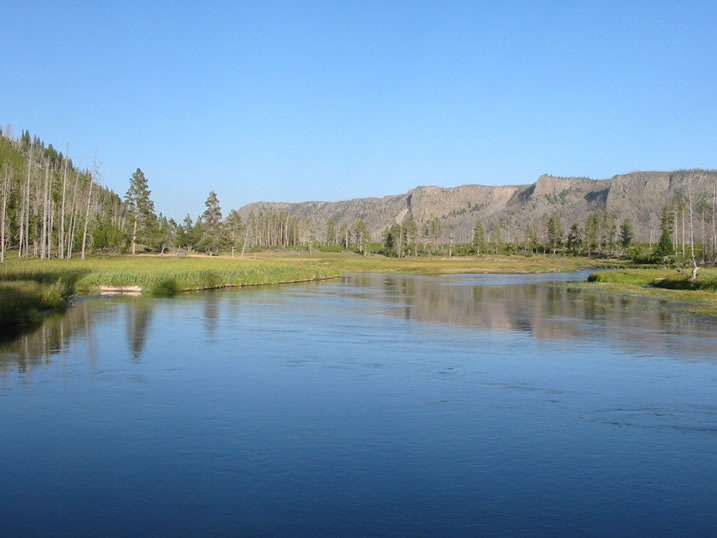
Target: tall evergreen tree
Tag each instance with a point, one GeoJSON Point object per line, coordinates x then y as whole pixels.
{"type": "Point", "coordinates": [627, 233]}
{"type": "Point", "coordinates": [330, 232]}
{"type": "Point", "coordinates": [212, 223]}
{"type": "Point", "coordinates": [592, 232]}
{"type": "Point", "coordinates": [362, 236]}
{"type": "Point", "coordinates": [411, 228]}
{"type": "Point", "coordinates": [555, 232]}
{"type": "Point", "coordinates": [575, 238]}
{"type": "Point", "coordinates": [665, 246]}
{"type": "Point", "coordinates": [234, 226]}
{"type": "Point", "coordinates": [140, 208]}
{"type": "Point", "coordinates": [478, 237]}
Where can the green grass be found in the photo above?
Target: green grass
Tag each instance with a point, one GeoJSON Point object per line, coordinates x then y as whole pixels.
{"type": "Point", "coordinates": [161, 274]}
{"type": "Point", "coordinates": [352, 263]}
{"type": "Point", "coordinates": [698, 297]}
{"type": "Point", "coordinates": [32, 285]}
{"type": "Point", "coordinates": [660, 278]}
{"type": "Point", "coordinates": [164, 274]}
{"type": "Point", "coordinates": [22, 302]}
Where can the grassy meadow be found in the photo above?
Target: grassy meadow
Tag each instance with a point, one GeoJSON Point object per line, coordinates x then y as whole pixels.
{"type": "Point", "coordinates": [30, 285]}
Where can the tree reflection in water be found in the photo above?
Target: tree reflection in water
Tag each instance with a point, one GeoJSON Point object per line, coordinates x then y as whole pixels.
{"type": "Point", "coordinates": [543, 310]}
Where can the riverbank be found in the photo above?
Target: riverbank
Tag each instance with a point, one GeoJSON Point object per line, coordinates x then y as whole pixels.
{"type": "Point", "coordinates": [698, 297]}
{"type": "Point", "coordinates": [31, 286]}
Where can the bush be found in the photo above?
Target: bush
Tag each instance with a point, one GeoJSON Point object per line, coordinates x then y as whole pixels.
{"type": "Point", "coordinates": [165, 288]}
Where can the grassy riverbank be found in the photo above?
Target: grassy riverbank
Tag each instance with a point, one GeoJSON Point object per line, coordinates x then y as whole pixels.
{"type": "Point", "coordinates": [699, 297]}
{"type": "Point", "coordinates": [32, 285]}
{"type": "Point", "coordinates": [22, 302]}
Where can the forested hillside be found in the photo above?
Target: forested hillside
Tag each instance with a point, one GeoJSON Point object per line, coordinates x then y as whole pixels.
{"type": "Point", "coordinates": [49, 206]}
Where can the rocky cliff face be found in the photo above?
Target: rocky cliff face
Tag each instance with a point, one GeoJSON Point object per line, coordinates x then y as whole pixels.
{"type": "Point", "coordinates": [638, 196]}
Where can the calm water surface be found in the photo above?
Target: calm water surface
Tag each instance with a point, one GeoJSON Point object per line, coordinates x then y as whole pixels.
{"type": "Point", "coordinates": [371, 405]}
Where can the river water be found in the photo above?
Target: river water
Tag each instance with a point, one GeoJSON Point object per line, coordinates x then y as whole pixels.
{"type": "Point", "coordinates": [371, 405]}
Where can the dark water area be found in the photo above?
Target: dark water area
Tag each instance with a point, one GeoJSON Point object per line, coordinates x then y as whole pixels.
{"type": "Point", "coordinates": [374, 405]}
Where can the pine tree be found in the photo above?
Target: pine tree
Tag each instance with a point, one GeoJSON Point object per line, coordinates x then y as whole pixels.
{"type": "Point", "coordinates": [361, 233]}
{"type": "Point", "coordinates": [478, 237]}
{"type": "Point", "coordinates": [140, 208]}
{"type": "Point", "coordinates": [330, 232]}
{"type": "Point", "coordinates": [531, 237]}
{"type": "Point", "coordinates": [627, 233]}
{"type": "Point", "coordinates": [212, 223]}
{"type": "Point", "coordinates": [496, 237]}
{"type": "Point", "coordinates": [575, 238]}
{"type": "Point", "coordinates": [411, 235]}
{"type": "Point", "coordinates": [234, 226]}
{"type": "Point", "coordinates": [665, 246]}
{"type": "Point", "coordinates": [592, 232]}
{"type": "Point", "coordinates": [555, 232]}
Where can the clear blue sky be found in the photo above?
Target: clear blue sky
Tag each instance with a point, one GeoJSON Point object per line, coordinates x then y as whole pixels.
{"type": "Point", "coordinates": [291, 101]}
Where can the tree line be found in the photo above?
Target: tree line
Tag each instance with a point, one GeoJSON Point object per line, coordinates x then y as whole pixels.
{"type": "Point", "coordinates": [50, 208]}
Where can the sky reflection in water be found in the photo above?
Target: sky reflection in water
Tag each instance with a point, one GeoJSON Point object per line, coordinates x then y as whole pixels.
{"type": "Point", "coordinates": [376, 404]}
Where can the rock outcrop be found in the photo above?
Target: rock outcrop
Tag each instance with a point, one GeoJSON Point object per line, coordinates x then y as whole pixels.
{"type": "Point", "coordinates": [638, 196]}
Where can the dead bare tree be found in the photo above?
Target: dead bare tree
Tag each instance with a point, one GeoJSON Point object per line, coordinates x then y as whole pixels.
{"type": "Point", "coordinates": [24, 209]}
{"type": "Point", "coordinates": [43, 236]}
{"type": "Point", "coordinates": [73, 219]}
{"type": "Point", "coordinates": [93, 174]}
{"type": "Point", "coordinates": [5, 192]}
{"type": "Point", "coordinates": [714, 219]}
{"type": "Point", "coordinates": [61, 239]}
{"type": "Point", "coordinates": [695, 267]}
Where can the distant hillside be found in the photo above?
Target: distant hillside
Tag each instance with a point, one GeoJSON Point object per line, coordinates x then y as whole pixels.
{"type": "Point", "coordinates": [639, 196]}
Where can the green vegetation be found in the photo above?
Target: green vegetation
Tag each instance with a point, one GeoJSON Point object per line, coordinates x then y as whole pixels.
{"type": "Point", "coordinates": [157, 272]}
{"type": "Point", "coordinates": [699, 296]}
{"type": "Point", "coordinates": [22, 302]}
{"type": "Point", "coordinates": [30, 285]}
{"type": "Point", "coordinates": [660, 278]}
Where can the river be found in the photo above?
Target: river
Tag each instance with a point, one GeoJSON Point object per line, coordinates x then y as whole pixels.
{"type": "Point", "coordinates": [373, 405]}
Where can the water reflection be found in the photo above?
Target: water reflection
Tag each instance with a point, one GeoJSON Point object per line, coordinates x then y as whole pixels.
{"type": "Point", "coordinates": [542, 309]}
{"type": "Point", "coordinates": [138, 316]}
{"type": "Point", "coordinates": [545, 310]}
{"type": "Point", "coordinates": [371, 405]}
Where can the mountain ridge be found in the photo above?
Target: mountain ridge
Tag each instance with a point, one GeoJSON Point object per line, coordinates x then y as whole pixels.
{"type": "Point", "coordinates": [638, 195]}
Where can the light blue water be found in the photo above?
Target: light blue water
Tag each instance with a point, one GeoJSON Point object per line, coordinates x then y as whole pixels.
{"type": "Point", "coordinates": [373, 405]}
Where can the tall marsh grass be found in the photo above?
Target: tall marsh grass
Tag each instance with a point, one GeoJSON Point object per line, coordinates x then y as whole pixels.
{"type": "Point", "coordinates": [153, 273]}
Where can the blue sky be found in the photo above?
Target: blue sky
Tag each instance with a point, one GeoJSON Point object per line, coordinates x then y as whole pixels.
{"type": "Point", "coordinates": [291, 101]}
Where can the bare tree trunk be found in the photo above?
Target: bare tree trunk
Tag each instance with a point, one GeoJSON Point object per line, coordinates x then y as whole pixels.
{"type": "Point", "coordinates": [52, 223]}
{"type": "Point", "coordinates": [695, 267]}
{"type": "Point", "coordinates": [134, 236]}
{"type": "Point", "coordinates": [2, 215]}
{"type": "Point", "coordinates": [27, 207]}
{"type": "Point", "coordinates": [682, 211]}
{"type": "Point", "coordinates": [87, 216]}
{"type": "Point", "coordinates": [714, 220]}
{"type": "Point", "coordinates": [24, 209]}
{"type": "Point", "coordinates": [43, 235]}
{"type": "Point", "coordinates": [692, 235]}
{"type": "Point", "coordinates": [61, 239]}
{"type": "Point", "coordinates": [246, 237]}
{"type": "Point", "coordinates": [73, 219]}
